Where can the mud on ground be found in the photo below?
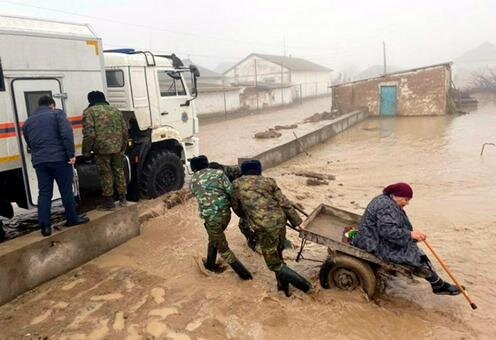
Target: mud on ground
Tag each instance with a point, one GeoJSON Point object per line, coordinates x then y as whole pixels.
{"type": "Point", "coordinates": [153, 287]}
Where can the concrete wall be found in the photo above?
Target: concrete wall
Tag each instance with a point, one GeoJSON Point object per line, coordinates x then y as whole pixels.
{"type": "Point", "coordinates": [267, 72]}
{"type": "Point", "coordinates": [211, 102]}
{"type": "Point", "coordinates": [419, 92]}
{"type": "Point", "coordinates": [286, 151]}
{"type": "Point", "coordinates": [30, 260]}
{"type": "Point", "coordinates": [312, 83]}
{"type": "Point", "coordinates": [266, 97]}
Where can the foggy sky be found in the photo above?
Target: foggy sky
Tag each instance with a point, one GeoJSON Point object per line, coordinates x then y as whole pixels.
{"type": "Point", "coordinates": [339, 34]}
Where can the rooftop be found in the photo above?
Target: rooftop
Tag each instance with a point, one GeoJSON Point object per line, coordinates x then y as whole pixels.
{"type": "Point", "coordinates": [292, 63]}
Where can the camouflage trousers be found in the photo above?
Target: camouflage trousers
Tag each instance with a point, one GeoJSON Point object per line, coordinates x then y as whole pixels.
{"type": "Point", "coordinates": [215, 227]}
{"type": "Point", "coordinates": [245, 228]}
{"type": "Point", "coordinates": [272, 244]}
{"type": "Point", "coordinates": [111, 170]}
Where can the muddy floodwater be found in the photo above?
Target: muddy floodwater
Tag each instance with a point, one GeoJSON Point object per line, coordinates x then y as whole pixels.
{"type": "Point", "coordinates": [454, 202]}
{"type": "Point", "coordinates": [153, 285]}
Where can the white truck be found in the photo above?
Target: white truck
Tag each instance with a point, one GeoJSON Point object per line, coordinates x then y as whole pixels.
{"type": "Point", "coordinates": [66, 61]}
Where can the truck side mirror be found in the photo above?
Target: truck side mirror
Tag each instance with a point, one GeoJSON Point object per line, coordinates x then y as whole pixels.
{"type": "Point", "coordinates": [194, 71]}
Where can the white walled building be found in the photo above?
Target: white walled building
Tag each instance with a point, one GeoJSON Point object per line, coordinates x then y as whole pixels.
{"type": "Point", "coordinates": [305, 78]}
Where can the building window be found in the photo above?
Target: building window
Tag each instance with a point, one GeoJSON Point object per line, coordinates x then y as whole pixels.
{"type": "Point", "coordinates": [115, 78]}
{"type": "Point", "coordinates": [2, 79]}
{"type": "Point", "coordinates": [170, 84]}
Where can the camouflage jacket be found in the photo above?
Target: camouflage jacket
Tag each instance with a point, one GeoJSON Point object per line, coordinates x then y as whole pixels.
{"type": "Point", "coordinates": [260, 200]}
{"type": "Point", "coordinates": [104, 130]}
{"type": "Point", "coordinates": [232, 172]}
{"type": "Point", "coordinates": [212, 190]}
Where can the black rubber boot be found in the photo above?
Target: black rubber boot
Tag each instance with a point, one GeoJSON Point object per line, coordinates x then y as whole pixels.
{"type": "Point", "coordinates": [46, 231]}
{"type": "Point", "coordinates": [211, 258]}
{"type": "Point", "coordinates": [122, 200]}
{"type": "Point", "coordinates": [107, 204]}
{"type": "Point", "coordinates": [282, 285]}
{"type": "Point", "coordinates": [288, 275]}
{"type": "Point", "coordinates": [241, 270]}
{"type": "Point", "coordinates": [444, 288]}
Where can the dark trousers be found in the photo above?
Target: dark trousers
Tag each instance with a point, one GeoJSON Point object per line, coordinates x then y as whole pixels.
{"type": "Point", "coordinates": [62, 173]}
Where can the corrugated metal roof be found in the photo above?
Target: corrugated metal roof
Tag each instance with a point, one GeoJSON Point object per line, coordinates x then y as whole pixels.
{"type": "Point", "coordinates": [291, 63]}
{"type": "Point", "coordinates": [295, 64]}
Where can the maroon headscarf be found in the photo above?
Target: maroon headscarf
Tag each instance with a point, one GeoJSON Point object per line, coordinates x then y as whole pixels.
{"type": "Point", "coordinates": [399, 189]}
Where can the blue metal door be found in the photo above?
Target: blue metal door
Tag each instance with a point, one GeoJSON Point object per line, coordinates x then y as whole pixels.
{"type": "Point", "coordinates": [388, 100]}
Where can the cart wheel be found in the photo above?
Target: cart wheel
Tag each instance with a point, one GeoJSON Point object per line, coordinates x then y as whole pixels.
{"type": "Point", "coordinates": [347, 273]}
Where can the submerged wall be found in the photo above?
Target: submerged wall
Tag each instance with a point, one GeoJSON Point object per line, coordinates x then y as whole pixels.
{"type": "Point", "coordinates": [286, 151]}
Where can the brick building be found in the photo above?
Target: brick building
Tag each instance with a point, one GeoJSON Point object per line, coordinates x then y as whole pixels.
{"type": "Point", "coordinates": [419, 91]}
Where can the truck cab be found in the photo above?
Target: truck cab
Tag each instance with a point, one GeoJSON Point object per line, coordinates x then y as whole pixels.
{"type": "Point", "coordinates": [155, 94]}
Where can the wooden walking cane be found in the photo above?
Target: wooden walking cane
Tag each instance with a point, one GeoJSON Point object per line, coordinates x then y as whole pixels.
{"type": "Point", "coordinates": [458, 285]}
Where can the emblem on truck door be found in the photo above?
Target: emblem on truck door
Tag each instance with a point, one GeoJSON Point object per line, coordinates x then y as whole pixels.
{"type": "Point", "coordinates": [184, 116]}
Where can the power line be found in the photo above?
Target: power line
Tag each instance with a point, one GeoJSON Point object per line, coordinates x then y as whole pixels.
{"type": "Point", "coordinates": [159, 29]}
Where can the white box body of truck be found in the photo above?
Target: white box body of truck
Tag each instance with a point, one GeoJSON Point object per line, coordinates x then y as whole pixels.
{"type": "Point", "coordinates": [39, 57]}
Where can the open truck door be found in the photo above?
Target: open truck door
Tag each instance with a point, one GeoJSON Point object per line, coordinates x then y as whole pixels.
{"type": "Point", "coordinates": [26, 92]}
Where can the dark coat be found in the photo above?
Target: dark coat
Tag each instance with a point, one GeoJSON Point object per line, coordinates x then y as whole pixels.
{"type": "Point", "coordinates": [48, 133]}
{"type": "Point", "coordinates": [385, 232]}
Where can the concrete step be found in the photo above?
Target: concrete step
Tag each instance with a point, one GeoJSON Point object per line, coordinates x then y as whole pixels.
{"type": "Point", "coordinates": [29, 260]}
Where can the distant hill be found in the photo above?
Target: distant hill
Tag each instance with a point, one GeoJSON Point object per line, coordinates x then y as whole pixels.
{"type": "Point", "coordinates": [375, 71]}
{"type": "Point", "coordinates": [484, 52]}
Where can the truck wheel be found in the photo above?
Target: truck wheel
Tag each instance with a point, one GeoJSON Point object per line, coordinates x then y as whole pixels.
{"type": "Point", "coordinates": [347, 273]}
{"type": "Point", "coordinates": [162, 172]}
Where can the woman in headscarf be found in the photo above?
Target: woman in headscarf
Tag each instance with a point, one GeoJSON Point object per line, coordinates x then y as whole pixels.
{"type": "Point", "coordinates": [386, 232]}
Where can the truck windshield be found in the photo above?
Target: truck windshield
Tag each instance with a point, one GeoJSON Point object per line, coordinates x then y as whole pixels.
{"type": "Point", "coordinates": [171, 84]}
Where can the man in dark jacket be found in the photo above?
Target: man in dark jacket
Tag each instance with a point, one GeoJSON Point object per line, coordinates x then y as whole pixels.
{"type": "Point", "coordinates": [48, 135]}
{"type": "Point", "coordinates": [386, 232]}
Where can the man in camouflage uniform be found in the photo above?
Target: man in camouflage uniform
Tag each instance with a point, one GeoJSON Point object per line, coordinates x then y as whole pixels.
{"type": "Point", "coordinates": [105, 134]}
{"type": "Point", "coordinates": [233, 172]}
{"type": "Point", "coordinates": [213, 190]}
{"type": "Point", "coordinates": [261, 202]}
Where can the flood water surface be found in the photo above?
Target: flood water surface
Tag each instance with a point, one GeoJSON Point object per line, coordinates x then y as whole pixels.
{"type": "Point", "coordinates": [454, 198]}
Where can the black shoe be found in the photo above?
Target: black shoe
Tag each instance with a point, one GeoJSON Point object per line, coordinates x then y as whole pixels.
{"type": "Point", "coordinates": [81, 219]}
{"type": "Point", "coordinates": [107, 204]}
{"type": "Point", "coordinates": [445, 288]}
{"type": "Point", "coordinates": [122, 200]}
{"type": "Point", "coordinates": [241, 270]}
{"type": "Point", "coordinates": [288, 275]}
{"type": "Point", "coordinates": [282, 285]}
{"type": "Point", "coordinates": [46, 231]}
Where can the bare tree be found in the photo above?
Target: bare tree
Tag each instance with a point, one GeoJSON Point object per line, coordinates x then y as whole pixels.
{"type": "Point", "coordinates": [484, 79]}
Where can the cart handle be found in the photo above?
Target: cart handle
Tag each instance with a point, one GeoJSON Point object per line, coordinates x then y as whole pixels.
{"type": "Point", "coordinates": [303, 212]}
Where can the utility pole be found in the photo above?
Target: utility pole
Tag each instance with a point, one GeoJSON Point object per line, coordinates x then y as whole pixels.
{"type": "Point", "coordinates": [282, 85]}
{"type": "Point", "coordinates": [384, 55]}
{"type": "Point", "coordinates": [284, 45]}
